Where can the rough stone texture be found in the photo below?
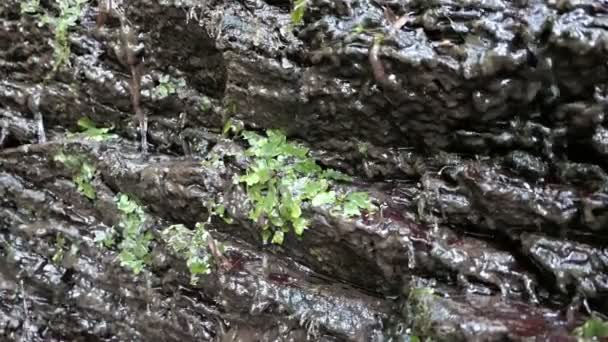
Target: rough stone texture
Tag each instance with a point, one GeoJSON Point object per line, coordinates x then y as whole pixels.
{"type": "Point", "coordinates": [477, 126]}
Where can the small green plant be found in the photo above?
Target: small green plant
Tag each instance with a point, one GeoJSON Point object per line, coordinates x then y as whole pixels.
{"type": "Point", "coordinates": [70, 12]}
{"type": "Point", "coordinates": [135, 244]}
{"type": "Point", "coordinates": [168, 86]}
{"type": "Point", "coordinates": [218, 210]}
{"type": "Point", "coordinates": [192, 245]}
{"type": "Point", "coordinates": [90, 131]}
{"type": "Point", "coordinates": [593, 330]}
{"type": "Point", "coordinates": [84, 173]}
{"type": "Point", "coordinates": [232, 126]}
{"type": "Point", "coordinates": [359, 29]}
{"type": "Point", "coordinates": [282, 177]}
{"type": "Point", "coordinates": [297, 14]}
{"type": "Point", "coordinates": [59, 249]}
{"type": "Point", "coordinates": [30, 7]}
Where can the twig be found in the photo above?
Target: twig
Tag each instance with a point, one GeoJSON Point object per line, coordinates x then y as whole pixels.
{"type": "Point", "coordinates": [375, 62]}
{"type": "Point", "coordinates": [26, 321]}
{"type": "Point", "coordinates": [128, 41]}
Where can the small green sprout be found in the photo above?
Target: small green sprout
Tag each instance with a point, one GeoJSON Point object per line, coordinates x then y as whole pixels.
{"type": "Point", "coordinates": [89, 130]}
{"type": "Point", "coordinates": [359, 29]}
{"type": "Point", "coordinates": [59, 249]}
{"type": "Point", "coordinates": [220, 211]}
{"type": "Point", "coordinates": [297, 14]}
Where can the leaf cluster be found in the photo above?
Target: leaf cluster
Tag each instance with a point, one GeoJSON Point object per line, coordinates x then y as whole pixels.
{"type": "Point", "coordinates": [84, 173]}
{"type": "Point", "coordinates": [135, 245]}
{"type": "Point", "coordinates": [282, 177]}
{"type": "Point", "coordinates": [30, 6]}
{"type": "Point", "coordinates": [168, 86]}
{"type": "Point", "coordinates": [593, 330]}
{"type": "Point", "coordinates": [70, 12]}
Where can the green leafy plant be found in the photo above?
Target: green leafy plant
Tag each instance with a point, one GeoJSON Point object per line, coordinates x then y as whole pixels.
{"type": "Point", "coordinates": [192, 246]}
{"type": "Point", "coordinates": [84, 173]}
{"type": "Point", "coordinates": [168, 86]}
{"type": "Point", "coordinates": [70, 12]}
{"type": "Point", "coordinates": [297, 14]}
{"type": "Point", "coordinates": [592, 330]}
{"type": "Point", "coordinates": [89, 130]}
{"type": "Point", "coordinates": [135, 244]}
{"type": "Point", "coordinates": [282, 177]}
{"type": "Point", "coordinates": [218, 210]}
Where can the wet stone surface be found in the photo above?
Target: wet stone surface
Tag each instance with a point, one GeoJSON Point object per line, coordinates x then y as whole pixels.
{"type": "Point", "coordinates": [476, 127]}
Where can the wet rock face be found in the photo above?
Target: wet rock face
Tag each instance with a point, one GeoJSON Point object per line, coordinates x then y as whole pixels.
{"type": "Point", "coordinates": [477, 127]}
{"type": "Point", "coordinates": [575, 266]}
